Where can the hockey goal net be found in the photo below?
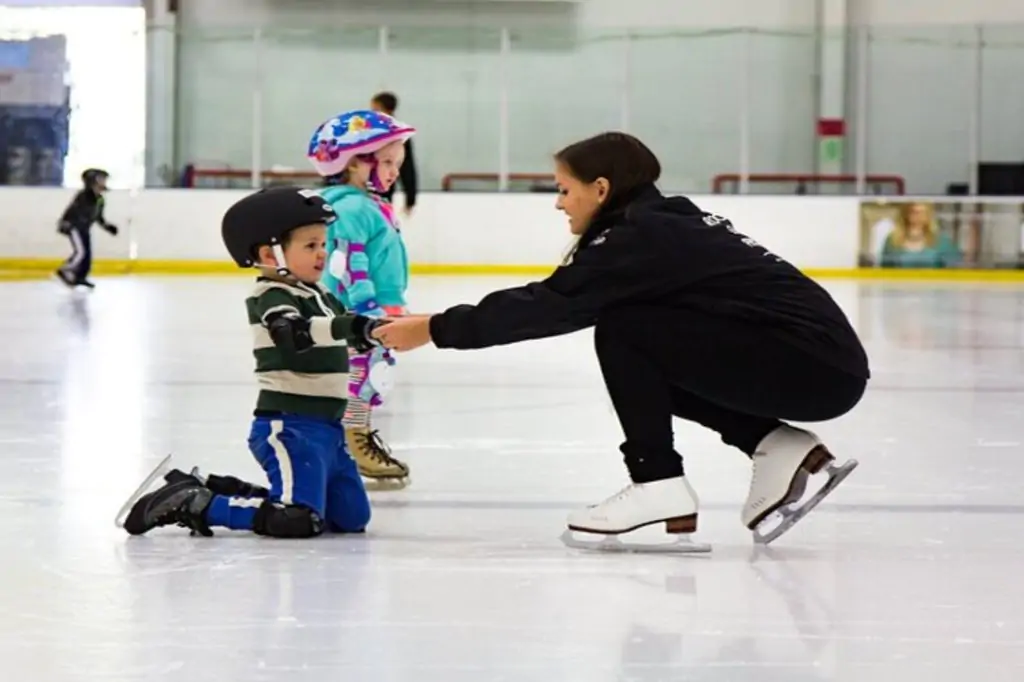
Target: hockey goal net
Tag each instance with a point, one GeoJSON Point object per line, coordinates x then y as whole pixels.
{"type": "Point", "coordinates": [829, 185]}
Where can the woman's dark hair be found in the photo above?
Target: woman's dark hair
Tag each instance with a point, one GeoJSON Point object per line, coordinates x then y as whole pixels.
{"type": "Point", "coordinates": [620, 158]}
{"type": "Point", "coordinates": [623, 160]}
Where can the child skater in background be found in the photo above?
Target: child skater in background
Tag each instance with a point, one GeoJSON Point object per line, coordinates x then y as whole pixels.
{"type": "Point", "coordinates": [75, 223]}
{"type": "Point", "coordinates": [301, 335]}
{"type": "Point", "coordinates": [359, 154]}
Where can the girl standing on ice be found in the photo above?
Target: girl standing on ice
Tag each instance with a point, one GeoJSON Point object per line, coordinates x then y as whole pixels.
{"type": "Point", "coordinates": [359, 154]}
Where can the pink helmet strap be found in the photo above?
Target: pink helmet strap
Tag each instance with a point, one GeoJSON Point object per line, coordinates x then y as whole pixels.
{"type": "Point", "coordinates": [374, 181]}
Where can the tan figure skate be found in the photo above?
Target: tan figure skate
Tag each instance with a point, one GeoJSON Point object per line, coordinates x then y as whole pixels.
{"type": "Point", "coordinates": [373, 458]}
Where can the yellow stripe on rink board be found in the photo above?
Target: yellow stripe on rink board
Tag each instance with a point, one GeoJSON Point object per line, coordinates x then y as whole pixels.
{"type": "Point", "coordinates": [37, 268]}
{"type": "Point", "coordinates": [48, 266]}
{"type": "Point", "coordinates": [20, 275]}
{"type": "Point", "coordinates": [915, 275]}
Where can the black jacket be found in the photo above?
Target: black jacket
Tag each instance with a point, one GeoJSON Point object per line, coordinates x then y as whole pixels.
{"type": "Point", "coordinates": [664, 252]}
{"type": "Point", "coordinates": [85, 209]}
{"type": "Point", "coordinates": [407, 176]}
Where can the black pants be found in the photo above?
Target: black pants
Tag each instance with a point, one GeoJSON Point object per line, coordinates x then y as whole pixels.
{"type": "Point", "coordinates": [79, 263]}
{"type": "Point", "coordinates": [736, 380]}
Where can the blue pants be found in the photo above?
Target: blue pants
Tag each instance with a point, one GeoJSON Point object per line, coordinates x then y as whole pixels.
{"type": "Point", "coordinates": [308, 465]}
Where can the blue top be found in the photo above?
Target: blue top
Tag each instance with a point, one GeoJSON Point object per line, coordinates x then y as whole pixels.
{"type": "Point", "coordinates": [367, 266]}
{"type": "Point", "coordinates": [943, 254]}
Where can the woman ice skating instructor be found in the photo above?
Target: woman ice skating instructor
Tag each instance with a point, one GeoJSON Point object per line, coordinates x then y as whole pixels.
{"type": "Point", "coordinates": [691, 319]}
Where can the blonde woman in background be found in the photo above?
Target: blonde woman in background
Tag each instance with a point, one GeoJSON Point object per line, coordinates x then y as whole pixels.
{"type": "Point", "coordinates": [915, 241]}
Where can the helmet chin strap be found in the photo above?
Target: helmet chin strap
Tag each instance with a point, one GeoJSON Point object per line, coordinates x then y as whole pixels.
{"type": "Point", "coordinates": [282, 264]}
{"type": "Point", "coordinates": [373, 181]}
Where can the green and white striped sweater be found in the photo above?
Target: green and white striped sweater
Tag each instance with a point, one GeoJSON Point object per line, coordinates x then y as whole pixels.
{"type": "Point", "coordinates": [313, 383]}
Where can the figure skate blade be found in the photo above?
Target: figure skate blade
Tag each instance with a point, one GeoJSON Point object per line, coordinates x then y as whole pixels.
{"type": "Point", "coordinates": [386, 484]}
{"type": "Point", "coordinates": [159, 471]}
{"type": "Point", "coordinates": [786, 517]}
{"type": "Point", "coordinates": [682, 544]}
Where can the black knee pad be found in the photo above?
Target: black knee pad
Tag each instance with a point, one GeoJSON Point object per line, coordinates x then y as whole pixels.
{"type": "Point", "coordinates": [278, 520]}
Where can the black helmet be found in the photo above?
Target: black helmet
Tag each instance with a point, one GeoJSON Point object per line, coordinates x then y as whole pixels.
{"type": "Point", "coordinates": [91, 175]}
{"type": "Point", "coordinates": [265, 217]}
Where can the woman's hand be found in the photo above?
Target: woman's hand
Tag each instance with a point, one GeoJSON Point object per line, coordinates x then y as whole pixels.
{"type": "Point", "coordinates": [404, 333]}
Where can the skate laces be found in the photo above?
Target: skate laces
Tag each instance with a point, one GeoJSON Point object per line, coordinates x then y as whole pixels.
{"type": "Point", "coordinates": [183, 516]}
{"type": "Point", "coordinates": [180, 516]}
{"type": "Point", "coordinates": [758, 455]}
{"type": "Point", "coordinates": [376, 447]}
{"type": "Point", "coordinates": [621, 495]}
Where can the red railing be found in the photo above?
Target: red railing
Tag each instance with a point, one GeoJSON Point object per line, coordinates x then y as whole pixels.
{"type": "Point", "coordinates": [799, 179]}
{"type": "Point", "coordinates": [539, 178]}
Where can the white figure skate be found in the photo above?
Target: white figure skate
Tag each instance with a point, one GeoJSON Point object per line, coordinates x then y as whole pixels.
{"type": "Point", "coordinates": [670, 501]}
{"type": "Point", "coordinates": [158, 471]}
{"type": "Point", "coordinates": [783, 463]}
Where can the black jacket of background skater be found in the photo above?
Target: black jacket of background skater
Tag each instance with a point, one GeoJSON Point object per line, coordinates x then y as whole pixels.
{"type": "Point", "coordinates": [666, 253]}
{"type": "Point", "coordinates": [85, 209]}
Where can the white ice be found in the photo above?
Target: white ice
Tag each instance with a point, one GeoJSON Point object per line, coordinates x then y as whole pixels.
{"type": "Point", "coordinates": [910, 572]}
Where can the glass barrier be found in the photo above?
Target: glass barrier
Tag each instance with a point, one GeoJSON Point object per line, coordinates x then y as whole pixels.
{"type": "Point", "coordinates": [910, 110]}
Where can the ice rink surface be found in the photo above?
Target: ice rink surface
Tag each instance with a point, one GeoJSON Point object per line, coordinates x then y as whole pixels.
{"type": "Point", "coordinates": [910, 572]}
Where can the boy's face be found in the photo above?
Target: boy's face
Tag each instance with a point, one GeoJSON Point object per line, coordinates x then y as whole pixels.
{"type": "Point", "coordinates": [305, 254]}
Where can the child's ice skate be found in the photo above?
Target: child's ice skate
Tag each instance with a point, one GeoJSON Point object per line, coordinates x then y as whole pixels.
{"type": "Point", "coordinates": [670, 501]}
{"type": "Point", "coordinates": [374, 460]}
{"type": "Point", "coordinates": [218, 485]}
{"type": "Point", "coordinates": [66, 278]}
{"type": "Point", "coordinates": [163, 467]}
{"type": "Point", "coordinates": [183, 503]}
{"type": "Point", "coordinates": [784, 461]}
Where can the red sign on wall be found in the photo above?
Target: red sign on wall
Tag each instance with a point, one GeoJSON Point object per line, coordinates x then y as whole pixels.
{"type": "Point", "coordinates": [831, 127]}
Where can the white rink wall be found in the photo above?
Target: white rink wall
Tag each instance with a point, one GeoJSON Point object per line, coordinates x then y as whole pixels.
{"type": "Point", "coordinates": [447, 228]}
